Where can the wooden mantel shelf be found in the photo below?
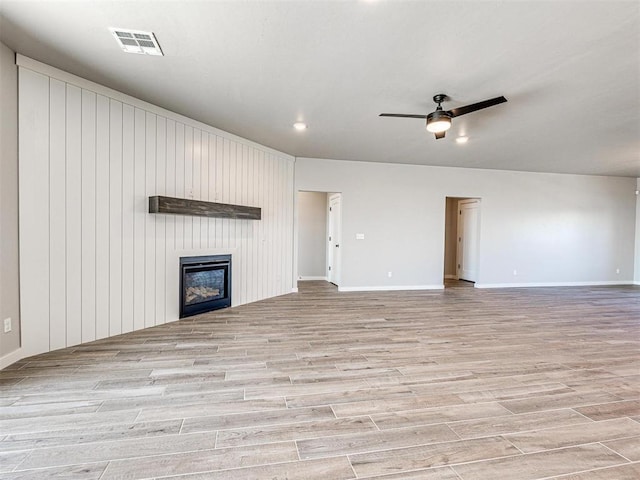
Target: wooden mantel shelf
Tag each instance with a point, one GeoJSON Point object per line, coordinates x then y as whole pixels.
{"type": "Point", "coordinates": [185, 206]}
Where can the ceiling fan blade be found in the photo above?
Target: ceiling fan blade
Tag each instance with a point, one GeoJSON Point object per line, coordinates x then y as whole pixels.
{"type": "Point", "coordinates": [402, 115]}
{"type": "Point", "coordinates": [440, 135]}
{"type": "Point", "coordinates": [456, 112]}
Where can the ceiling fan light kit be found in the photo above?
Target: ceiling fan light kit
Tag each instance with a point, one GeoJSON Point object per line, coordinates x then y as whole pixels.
{"type": "Point", "coordinates": [439, 122]}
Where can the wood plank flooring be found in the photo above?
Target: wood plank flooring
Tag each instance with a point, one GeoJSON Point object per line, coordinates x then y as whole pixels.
{"type": "Point", "coordinates": [460, 384]}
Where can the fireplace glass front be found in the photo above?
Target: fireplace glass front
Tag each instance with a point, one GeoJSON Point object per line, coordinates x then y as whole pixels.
{"type": "Point", "coordinates": [205, 284]}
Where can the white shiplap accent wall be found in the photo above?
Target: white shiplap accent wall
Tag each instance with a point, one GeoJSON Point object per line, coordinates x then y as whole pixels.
{"type": "Point", "coordinates": [93, 262]}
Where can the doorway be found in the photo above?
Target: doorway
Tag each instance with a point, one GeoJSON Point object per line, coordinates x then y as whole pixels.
{"type": "Point", "coordinates": [318, 249]}
{"type": "Point", "coordinates": [335, 234]}
{"type": "Point", "coordinates": [462, 239]}
{"type": "Point", "coordinates": [311, 241]}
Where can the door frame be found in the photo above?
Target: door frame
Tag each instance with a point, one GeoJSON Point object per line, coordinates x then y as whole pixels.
{"type": "Point", "coordinates": [334, 254]}
{"type": "Point", "coordinates": [475, 246]}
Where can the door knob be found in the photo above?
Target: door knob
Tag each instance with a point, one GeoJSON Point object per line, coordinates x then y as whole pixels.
{"type": "Point", "coordinates": [337, 246]}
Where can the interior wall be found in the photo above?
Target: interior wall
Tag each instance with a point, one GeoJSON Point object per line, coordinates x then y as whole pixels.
{"type": "Point", "coordinates": [9, 273]}
{"type": "Point", "coordinates": [553, 229]}
{"type": "Point", "coordinates": [451, 238]}
{"type": "Point", "coordinates": [312, 235]}
{"type": "Point", "coordinates": [89, 159]}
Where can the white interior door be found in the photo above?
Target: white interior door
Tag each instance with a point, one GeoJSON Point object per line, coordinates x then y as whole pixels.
{"type": "Point", "coordinates": [333, 254]}
{"type": "Point", "coordinates": [468, 237]}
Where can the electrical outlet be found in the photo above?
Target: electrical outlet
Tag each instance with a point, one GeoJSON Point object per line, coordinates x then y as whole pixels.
{"type": "Point", "coordinates": [389, 274]}
{"type": "Point", "coordinates": [617, 270]}
{"type": "Point", "coordinates": [7, 325]}
{"type": "Point", "coordinates": [515, 272]}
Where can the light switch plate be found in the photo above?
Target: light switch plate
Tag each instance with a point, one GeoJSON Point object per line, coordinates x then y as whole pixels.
{"type": "Point", "coordinates": [359, 236]}
{"type": "Point", "coordinates": [7, 325]}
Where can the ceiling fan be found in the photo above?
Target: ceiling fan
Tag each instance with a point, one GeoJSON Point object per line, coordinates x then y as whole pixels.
{"type": "Point", "coordinates": [439, 122]}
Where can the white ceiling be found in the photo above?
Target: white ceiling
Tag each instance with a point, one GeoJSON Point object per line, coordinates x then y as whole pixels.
{"type": "Point", "coordinates": [570, 70]}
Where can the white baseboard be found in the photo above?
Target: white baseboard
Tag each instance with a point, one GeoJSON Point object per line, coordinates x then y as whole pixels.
{"type": "Point", "coordinates": [389, 288]}
{"type": "Point", "coordinates": [294, 290]}
{"type": "Point", "coordinates": [11, 358]}
{"type": "Point", "coordinates": [308, 279]}
{"type": "Point", "coordinates": [551, 284]}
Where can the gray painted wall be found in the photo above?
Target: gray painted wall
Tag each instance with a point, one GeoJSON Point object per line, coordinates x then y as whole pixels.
{"type": "Point", "coordinates": [551, 228]}
{"type": "Point", "coordinates": [9, 273]}
{"type": "Point", "coordinates": [312, 235]}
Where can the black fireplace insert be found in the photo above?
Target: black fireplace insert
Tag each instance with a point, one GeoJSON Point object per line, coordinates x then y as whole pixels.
{"type": "Point", "coordinates": [205, 284]}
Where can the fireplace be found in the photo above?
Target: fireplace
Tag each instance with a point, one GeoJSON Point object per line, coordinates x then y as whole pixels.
{"type": "Point", "coordinates": [205, 284]}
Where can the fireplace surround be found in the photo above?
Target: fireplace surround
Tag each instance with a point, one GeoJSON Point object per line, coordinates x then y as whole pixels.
{"type": "Point", "coordinates": [205, 284]}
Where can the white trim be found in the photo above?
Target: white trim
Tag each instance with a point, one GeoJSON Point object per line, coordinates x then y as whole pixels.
{"type": "Point", "coordinates": [635, 283]}
{"type": "Point", "coordinates": [391, 288]}
{"type": "Point", "coordinates": [11, 358]}
{"type": "Point", "coordinates": [551, 284]}
{"type": "Point", "coordinates": [43, 68]}
{"type": "Point", "coordinates": [334, 256]}
{"type": "Point", "coordinates": [306, 279]}
{"type": "Point", "coordinates": [294, 290]}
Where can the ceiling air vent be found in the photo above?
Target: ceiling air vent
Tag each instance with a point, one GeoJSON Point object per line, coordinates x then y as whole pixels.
{"type": "Point", "coordinates": [136, 41]}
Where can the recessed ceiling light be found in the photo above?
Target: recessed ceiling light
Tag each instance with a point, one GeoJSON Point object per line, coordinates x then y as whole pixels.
{"type": "Point", "coordinates": [300, 126]}
{"type": "Point", "coordinates": [462, 139]}
{"type": "Point", "coordinates": [137, 41]}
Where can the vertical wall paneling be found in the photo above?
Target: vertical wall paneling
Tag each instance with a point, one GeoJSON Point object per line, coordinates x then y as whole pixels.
{"type": "Point", "coordinates": [211, 235]}
{"type": "Point", "coordinates": [255, 227]}
{"type": "Point", "coordinates": [231, 191]}
{"type": "Point", "coordinates": [276, 245]}
{"type": "Point", "coordinates": [73, 199]}
{"type": "Point", "coordinates": [255, 195]}
{"type": "Point", "coordinates": [34, 196]}
{"type": "Point", "coordinates": [248, 251]}
{"type": "Point", "coordinates": [188, 183]}
{"type": "Point", "coordinates": [171, 284]}
{"type": "Point", "coordinates": [128, 214]}
{"type": "Point", "coordinates": [150, 225]}
{"type": "Point", "coordinates": [240, 225]}
{"type": "Point", "coordinates": [115, 218]}
{"type": "Point", "coordinates": [57, 214]}
{"type": "Point", "coordinates": [195, 185]}
{"type": "Point", "coordinates": [279, 211]}
{"type": "Point", "coordinates": [281, 222]}
{"type": "Point", "coordinates": [268, 226]}
{"type": "Point", "coordinates": [224, 193]}
{"type": "Point", "coordinates": [140, 218]}
{"type": "Point", "coordinates": [204, 187]}
{"type": "Point", "coordinates": [88, 206]}
{"type": "Point", "coordinates": [260, 243]}
{"type": "Point", "coordinates": [100, 263]}
{"type": "Point", "coordinates": [242, 188]}
{"type": "Point", "coordinates": [160, 220]}
{"type": "Point", "coordinates": [179, 183]}
{"type": "Point", "coordinates": [290, 247]}
{"type": "Point", "coordinates": [218, 187]}
{"type": "Point", "coordinates": [278, 259]}
{"type": "Point", "coordinates": [273, 219]}
{"type": "Point", "coordinates": [102, 217]}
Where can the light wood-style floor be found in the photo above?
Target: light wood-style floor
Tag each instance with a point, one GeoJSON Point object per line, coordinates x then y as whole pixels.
{"type": "Point", "coordinates": [456, 384]}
